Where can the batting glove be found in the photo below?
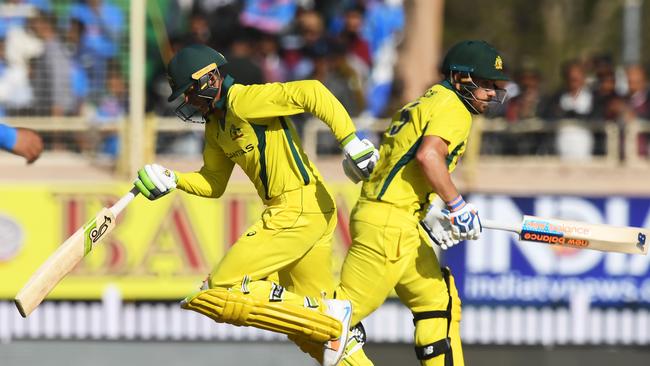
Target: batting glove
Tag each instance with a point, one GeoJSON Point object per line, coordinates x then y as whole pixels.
{"type": "Point", "coordinates": [436, 224]}
{"type": "Point", "coordinates": [463, 218]}
{"type": "Point", "coordinates": [360, 158]}
{"type": "Point", "coordinates": [155, 181]}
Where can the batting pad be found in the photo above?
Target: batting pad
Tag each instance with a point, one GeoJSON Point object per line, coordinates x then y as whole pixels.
{"type": "Point", "coordinates": [239, 309]}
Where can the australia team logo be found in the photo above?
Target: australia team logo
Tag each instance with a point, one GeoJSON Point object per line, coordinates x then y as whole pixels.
{"type": "Point", "coordinates": [498, 63]}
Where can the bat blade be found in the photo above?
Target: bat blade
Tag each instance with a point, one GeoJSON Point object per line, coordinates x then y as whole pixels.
{"type": "Point", "coordinates": [607, 238]}
{"type": "Point", "coordinates": [63, 260]}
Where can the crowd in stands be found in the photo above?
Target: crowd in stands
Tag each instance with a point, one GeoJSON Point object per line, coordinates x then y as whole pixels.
{"type": "Point", "coordinates": [63, 60]}
{"type": "Point", "coordinates": [593, 92]}
{"type": "Point", "coordinates": [71, 59]}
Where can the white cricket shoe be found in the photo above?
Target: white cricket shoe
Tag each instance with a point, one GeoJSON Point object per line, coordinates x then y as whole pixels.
{"type": "Point", "coordinates": [333, 349]}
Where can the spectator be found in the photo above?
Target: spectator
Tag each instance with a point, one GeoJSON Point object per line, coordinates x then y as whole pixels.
{"type": "Point", "coordinates": [16, 92]}
{"type": "Point", "coordinates": [268, 57]}
{"type": "Point", "coordinates": [78, 75]}
{"type": "Point", "coordinates": [313, 41]}
{"type": "Point", "coordinates": [351, 36]}
{"type": "Point", "coordinates": [103, 26]}
{"type": "Point", "coordinates": [384, 20]}
{"type": "Point", "coordinates": [15, 13]}
{"type": "Point", "coordinates": [51, 72]}
{"type": "Point", "coordinates": [268, 16]}
{"type": "Point", "coordinates": [112, 107]}
{"type": "Point", "coordinates": [332, 69]}
{"type": "Point", "coordinates": [573, 100]}
{"type": "Point", "coordinates": [638, 101]}
{"type": "Point", "coordinates": [357, 48]}
{"type": "Point", "coordinates": [199, 29]}
{"type": "Point", "coordinates": [240, 59]}
{"type": "Point", "coordinates": [224, 16]}
{"type": "Point", "coordinates": [15, 89]}
{"type": "Point", "coordinates": [607, 104]}
{"type": "Point", "coordinates": [638, 97]}
{"type": "Point", "coordinates": [527, 104]}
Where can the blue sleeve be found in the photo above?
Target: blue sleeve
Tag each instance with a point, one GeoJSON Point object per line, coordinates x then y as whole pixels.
{"type": "Point", "coordinates": [8, 136]}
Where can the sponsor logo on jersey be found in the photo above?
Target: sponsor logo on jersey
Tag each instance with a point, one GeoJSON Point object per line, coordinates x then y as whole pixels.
{"type": "Point", "coordinates": [237, 153]}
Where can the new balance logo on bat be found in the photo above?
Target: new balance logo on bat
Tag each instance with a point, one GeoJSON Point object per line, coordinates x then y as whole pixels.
{"type": "Point", "coordinates": [641, 241]}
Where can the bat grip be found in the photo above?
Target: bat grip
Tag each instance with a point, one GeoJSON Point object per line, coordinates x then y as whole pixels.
{"type": "Point", "coordinates": [505, 226]}
{"type": "Point", "coordinates": [124, 201]}
{"type": "Point", "coordinates": [488, 224]}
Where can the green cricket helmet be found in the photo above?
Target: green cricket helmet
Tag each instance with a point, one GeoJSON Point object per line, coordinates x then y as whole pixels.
{"type": "Point", "coordinates": [191, 68]}
{"type": "Point", "coordinates": [475, 59]}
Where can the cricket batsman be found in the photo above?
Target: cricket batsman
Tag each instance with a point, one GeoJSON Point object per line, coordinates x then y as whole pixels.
{"type": "Point", "coordinates": [251, 126]}
{"type": "Point", "coordinates": [390, 250]}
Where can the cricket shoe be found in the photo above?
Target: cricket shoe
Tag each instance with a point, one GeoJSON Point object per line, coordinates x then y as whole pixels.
{"type": "Point", "coordinates": [356, 340]}
{"type": "Point", "coordinates": [333, 349]}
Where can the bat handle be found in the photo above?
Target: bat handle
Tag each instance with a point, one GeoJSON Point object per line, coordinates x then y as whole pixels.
{"type": "Point", "coordinates": [124, 201]}
{"type": "Point", "coordinates": [487, 223]}
{"type": "Point", "coordinates": [505, 226]}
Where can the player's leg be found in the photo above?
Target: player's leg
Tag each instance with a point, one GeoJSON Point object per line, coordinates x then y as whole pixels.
{"type": "Point", "coordinates": [311, 275]}
{"type": "Point", "coordinates": [308, 276]}
{"type": "Point", "coordinates": [431, 294]}
{"type": "Point", "coordinates": [374, 263]}
{"type": "Point", "coordinates": [239, 294]}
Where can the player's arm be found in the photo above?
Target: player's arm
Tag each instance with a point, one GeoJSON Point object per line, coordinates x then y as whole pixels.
{"type": "Point", "coordinates": [211, 180]}
{"type": "Point", "coordinates": [432, 157]}
{"type": "Point", "coordinates": [155, 181]}
{"type": "Point", "coordinates": [290, 98]}
{"type": "Point", "coordinates": [285, 99]}
{"type": "Point", "coordinates": [21, 141]}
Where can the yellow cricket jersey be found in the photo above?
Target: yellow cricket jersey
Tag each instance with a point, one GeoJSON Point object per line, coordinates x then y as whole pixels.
{"type": "Point", "coordinates": [257, 134]}
{"type": "Point", "coordinates": [398, 177]}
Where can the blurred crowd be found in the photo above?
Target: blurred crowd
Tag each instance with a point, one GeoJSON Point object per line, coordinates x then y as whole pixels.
{"type": "Point", "coordinates": [70, 58]}
{"type": "Point", "coordinates": [593, 92]}
{"type": "Point", "coordinates": [63, 61]}
{"type": "Point", "coordinates": [348, 45]}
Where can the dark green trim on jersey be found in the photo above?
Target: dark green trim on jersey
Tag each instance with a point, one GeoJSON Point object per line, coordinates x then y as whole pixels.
{"type": "Point", "coordinates": [294, 152]}
{"type": "Point", "coordinates": [228, 81]}
{"type": "Point", "coordinates": [260, 132]}
{"type": "Point", "coordinates": [454, 154]}
{"type": "Point", "coordinates": [447, 85]}
{"type": "Point", "coordinates": [405, 159]}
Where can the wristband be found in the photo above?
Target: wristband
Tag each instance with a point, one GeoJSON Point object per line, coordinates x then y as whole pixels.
{"type": "Point", "coordinates": [348, 138]}
{"type": "Point", "coordinates": [456, 204]}
{"type": "Point", "coordinates": [8, 137]}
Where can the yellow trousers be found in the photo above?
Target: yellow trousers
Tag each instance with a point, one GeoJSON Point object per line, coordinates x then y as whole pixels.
{"type": "Point", "coordinates": [293, 238]}
{"type": "Point", "coordinates": [388, 252]}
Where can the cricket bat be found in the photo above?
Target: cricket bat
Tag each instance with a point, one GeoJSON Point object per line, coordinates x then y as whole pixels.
{"type": "Point", "coordinates": [575, 234]}
{"type": "Point", "coordinates": [68, 255]}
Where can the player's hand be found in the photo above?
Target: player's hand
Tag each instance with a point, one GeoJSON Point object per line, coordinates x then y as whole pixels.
{"type": "Point", "coordinates": [360, 158]}
{"type": "Point", "coordinates": [440, 233]}
{"type": "Point", "coordinates": [155, 181]}
{"type": "Point", "coordinates": [437, 225]}
{"type": "Point", "coordinates": [29, 144]}
{"type": "Point", "coordinates": [464, 220]}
